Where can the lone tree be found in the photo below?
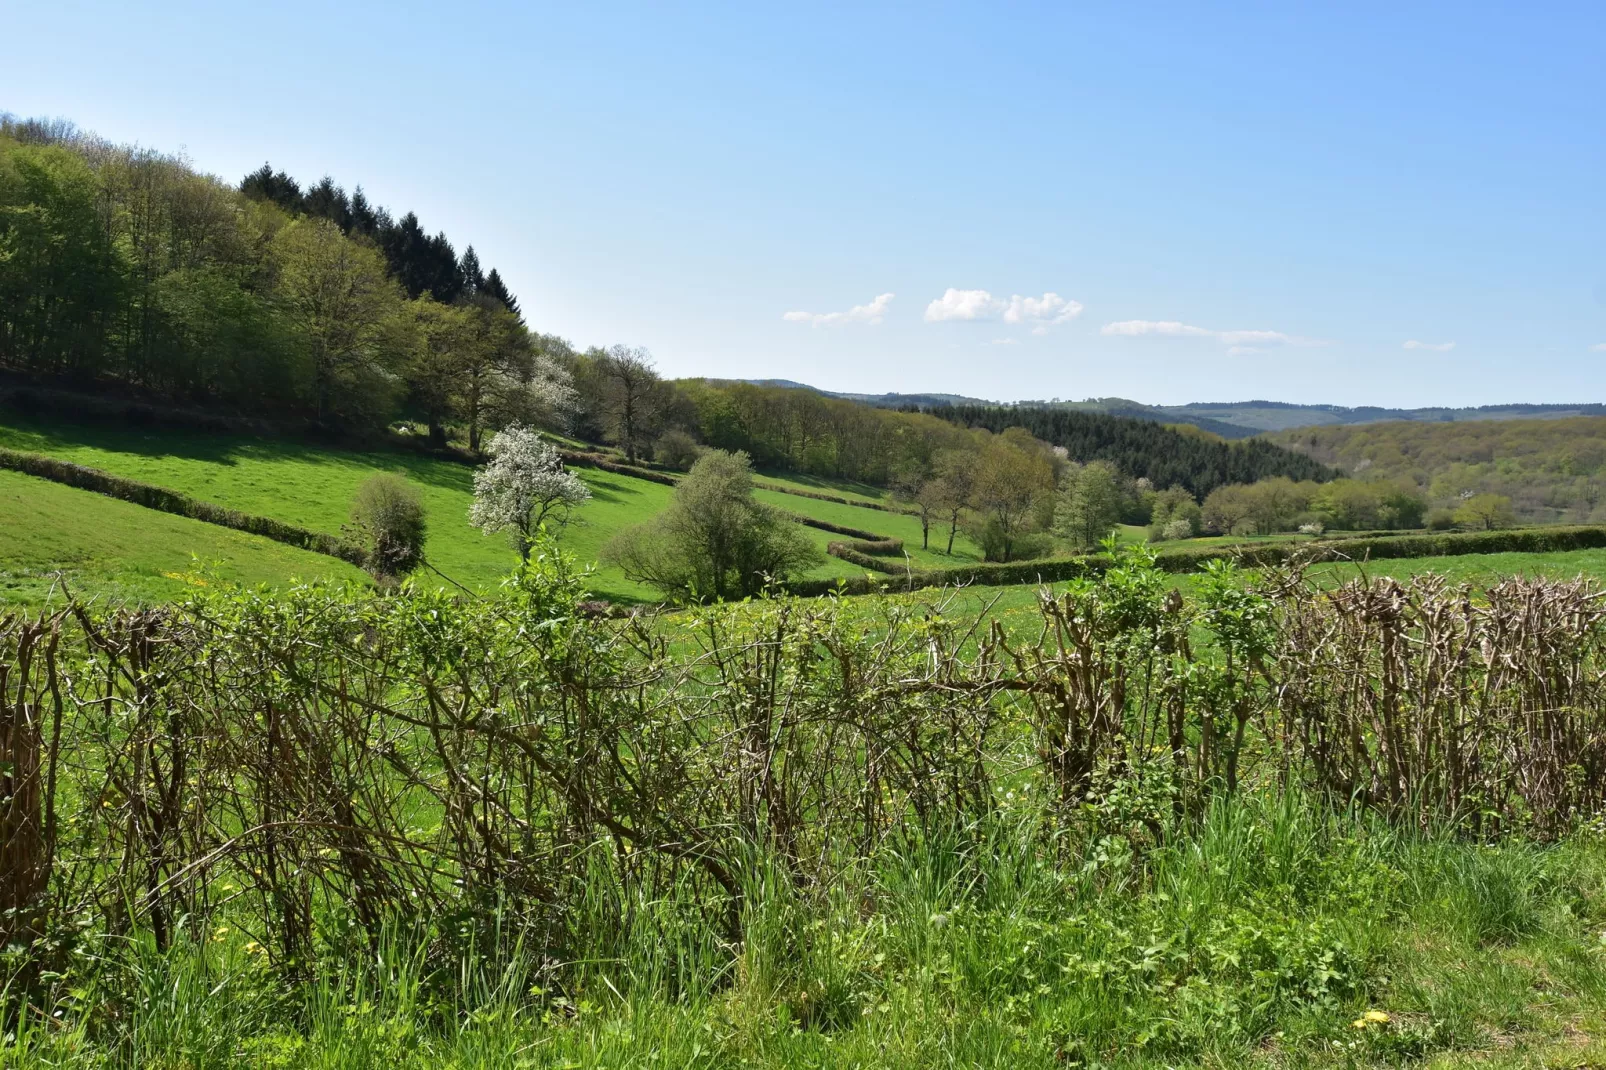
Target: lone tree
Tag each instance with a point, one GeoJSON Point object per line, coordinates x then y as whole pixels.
{"type": "Point", "coordinates": [632, 396]}
{"type": "Point", "coordinates": [1089, 504]}
{"type": "Point", "coordinates": [523, 486]}
{"type": "Point", "coordinates": [387, 518]}
{"type": "Point", "coordinates": [1487, 512]}
{"type": "Point", "coordinates": [714, 541]}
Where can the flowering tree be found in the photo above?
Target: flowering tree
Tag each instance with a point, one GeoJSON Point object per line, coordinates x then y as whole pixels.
{"type": "Point", "coordinates": [523, 486]}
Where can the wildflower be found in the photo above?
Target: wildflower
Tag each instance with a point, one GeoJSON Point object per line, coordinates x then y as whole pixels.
{"type": "Point", "coordinates": [1377, 1016]}
{"type": "Point", "coordinates": [1359, 1023]}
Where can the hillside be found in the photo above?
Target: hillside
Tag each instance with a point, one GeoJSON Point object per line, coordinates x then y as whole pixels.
{"type": "Point", "coordinates": [312, 486]}
{"type": "Point", "coordinates": [1552, 469]}
{"type": "Point", "coordinates": [1165, 456]}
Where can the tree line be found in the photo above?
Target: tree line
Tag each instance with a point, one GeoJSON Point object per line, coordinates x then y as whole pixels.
{"type": "Point", "coordinates": [1163, 454]}
{"type": "Point", "coordinates": [127, 268]}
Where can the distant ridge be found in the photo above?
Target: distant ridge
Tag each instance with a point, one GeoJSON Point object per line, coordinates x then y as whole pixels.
{"type": "Point", "coordinates": [1230, 419]}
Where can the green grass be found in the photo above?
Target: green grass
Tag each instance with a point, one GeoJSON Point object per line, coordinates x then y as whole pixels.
{"type": "Point", "coordinates": [119, 552]}
{"type": "Point", "coordinates": [313, 487]}
{"type": "Point", "coordinates": [1256, 939]}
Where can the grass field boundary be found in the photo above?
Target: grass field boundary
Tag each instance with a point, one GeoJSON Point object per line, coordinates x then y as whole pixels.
{"type": "Point", "coordinates": [163, 500]}
{"type": "Point", "coordinates": [1395, 547]}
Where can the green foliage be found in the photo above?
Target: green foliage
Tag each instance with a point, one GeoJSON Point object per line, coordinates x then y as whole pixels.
{"type": "Point", "coordinates": [388, 519]}
{"type": "Point", "coordinates": [1553, 470]}
{"type": "Point", "coordinates": [124, 266]}
{"type": "Point", "coordinates": [1089, 505]}
{"type": "Point", "coordinates": [1486, 512]}
{"type": "Point", "coordinates": [1166, 456]}
{"type": "Point", "coordinates": [715, 541]}
{"type": "Point", "coordinates": [675, 449]}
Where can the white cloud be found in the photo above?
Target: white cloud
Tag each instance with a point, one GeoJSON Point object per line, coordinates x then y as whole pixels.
{"type": "Point", "coordinates": [1004, 342]}
{"type": "Point", "coordinates": [1238, 342]}
{"type": "Point", "coordinates": [963, 305]}
{"type": "Point", "coordinates": [1437, 347]}
{"type": "Point", "coordinates": [1049, 309]}
{"type": "Point", "coordinates": [870, 313]}
{"type": "Point", "coordinates": [1598, 348]}
{"type": "Point", "coordinates": [1043, 312]}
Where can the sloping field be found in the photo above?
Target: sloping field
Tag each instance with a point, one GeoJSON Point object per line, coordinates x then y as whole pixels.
{"type": "Point", "coordinates": [313, 487]}
{"type": "Point", "coordinates": [123, 552]}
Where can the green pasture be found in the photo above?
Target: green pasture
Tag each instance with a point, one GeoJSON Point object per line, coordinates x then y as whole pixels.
{"type": "Point", "coordinates": [118, 551]}
{"type": "Point", "coordinates": [312, 487]}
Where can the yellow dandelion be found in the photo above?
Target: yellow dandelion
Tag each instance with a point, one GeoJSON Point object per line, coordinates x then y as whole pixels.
{"type": "Point", "coordinates": [1359, 1023]}
{"type": "Point", "coordinates": [1377, 1016]}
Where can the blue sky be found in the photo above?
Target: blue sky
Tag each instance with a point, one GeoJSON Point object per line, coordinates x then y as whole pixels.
{"type": "Point", "coordinates": [1399, 204]}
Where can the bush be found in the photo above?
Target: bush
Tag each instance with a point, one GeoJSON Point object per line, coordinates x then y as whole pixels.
{"type": "Point", "coordinates": [676, 449]}
{"type": "Point", "coordinates": [715, 541]}
{"type": "Point", "coordinates": [1440, 520]}
{"type": "Point", "coordinates": [1179, 528]}
{"type": "Point", "coordinates": [387, 518]}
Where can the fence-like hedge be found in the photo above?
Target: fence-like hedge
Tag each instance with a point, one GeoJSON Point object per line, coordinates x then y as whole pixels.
{"type": "Point", "coordinates": [1392, 547]}
{"type": "Point", "coordinates": [169, 501]}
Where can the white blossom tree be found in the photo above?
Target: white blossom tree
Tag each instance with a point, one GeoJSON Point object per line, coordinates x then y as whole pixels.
{"type": "Point", "coordinates": [522, 487]}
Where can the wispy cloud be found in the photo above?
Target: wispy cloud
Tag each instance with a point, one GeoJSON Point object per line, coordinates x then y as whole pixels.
{"type": "Point", "coordinates": [1436, 347]}
{"type": "Point", "coordinates": [1004, 342]}
{"type": "Point", "coordinates": [1238, 342]}
{"type": "Point", "coordinates": [1041, 312]}
{"type": "Point", "coordinates": [870, 313]}
{"type": "Point", "coordinates": [1598, 348]}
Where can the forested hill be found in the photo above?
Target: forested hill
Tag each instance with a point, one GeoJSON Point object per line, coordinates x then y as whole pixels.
{"type": "Point", "coordinates": [1165, 455]}
{"type": "Point", "coordinates": [1551, 469]}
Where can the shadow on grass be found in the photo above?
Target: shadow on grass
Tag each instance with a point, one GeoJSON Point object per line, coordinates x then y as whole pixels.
{"type": "Point", "coordinates": [227, 450]}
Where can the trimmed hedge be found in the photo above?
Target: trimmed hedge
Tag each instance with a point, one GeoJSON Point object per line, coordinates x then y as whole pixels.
{"type": "Point", "coordinates": [837, 498]}
{"type": "Point", "coordinates": [1391, 547]}
{"type": "Point", "coordinates": [168, 501]}
{"type": "Point", "coordinates": [597, 460]}
{"type": "Point", "coordinates": [840, 529]}
{"type": "Point", "coordinates": [855, 554]}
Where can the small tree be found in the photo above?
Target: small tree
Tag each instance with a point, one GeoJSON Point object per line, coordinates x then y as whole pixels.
{"type": "Point", "coordinates": [715, 541]}
{"type": "Point", "coordinates": [951, 492]}
{"type": "Point", "coordinates": [1010, 482]}
{"type": "Point", "coordinates": [1486, 511]}
{"type": "Point", "coordinates": [387, 518]}
{"type": "Point", "coordinates": [523, 486]}
{"type": "Point", "coordinates": [1089, 504]}
{"type": "Point", "coordinates": [676, 449]}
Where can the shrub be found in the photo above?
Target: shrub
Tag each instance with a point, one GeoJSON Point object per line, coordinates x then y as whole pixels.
{"type": "Point", "coordinates": [1179, 528]}
{"type": "Point", "coordinates": [715, 541]}
{"type": "Point", "coordinates": [676, 449]}
{"type": "Point", "coordinates": [387, 518]}
{"type": "Point", "coordinates": [1440, 520]}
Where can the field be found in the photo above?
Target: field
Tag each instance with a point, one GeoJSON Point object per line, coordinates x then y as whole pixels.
{"type": "Point", "coordinates": [313, 488]}
{"type": "Point", "coordinates": [123, 552]}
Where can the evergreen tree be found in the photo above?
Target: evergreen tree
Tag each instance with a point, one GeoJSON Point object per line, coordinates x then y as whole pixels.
{"type": "Point", "coordinates": [498, 289]}
{"type": "Point", "coordinates": [264, 184]}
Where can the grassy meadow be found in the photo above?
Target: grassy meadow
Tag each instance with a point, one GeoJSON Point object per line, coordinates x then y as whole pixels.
{"type": "Point", "coordinates": [126, 553]}
{"type": "Point", "coordinates": [312, 487]}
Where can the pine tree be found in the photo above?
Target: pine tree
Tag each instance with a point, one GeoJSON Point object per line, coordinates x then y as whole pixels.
{"type": "Point", "coordinates": [469, 269]}
{"type": "Point", "coordinates": [494, 286]}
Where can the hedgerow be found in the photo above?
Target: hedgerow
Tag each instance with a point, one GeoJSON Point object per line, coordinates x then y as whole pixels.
{"type": "Point", "coordinates": [170, 501]}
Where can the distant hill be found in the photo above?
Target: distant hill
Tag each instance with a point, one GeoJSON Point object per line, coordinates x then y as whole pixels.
{"type": "Point", "coordinates": [1552, 469]}
{"type": "Point", "coordinates": [1280, 415]}
{"type": "Point", "coordinates": [1229, 419]}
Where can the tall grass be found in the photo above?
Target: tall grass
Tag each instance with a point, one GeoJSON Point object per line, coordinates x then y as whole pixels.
{"type": "Point", "coordinates": [318, 829]}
